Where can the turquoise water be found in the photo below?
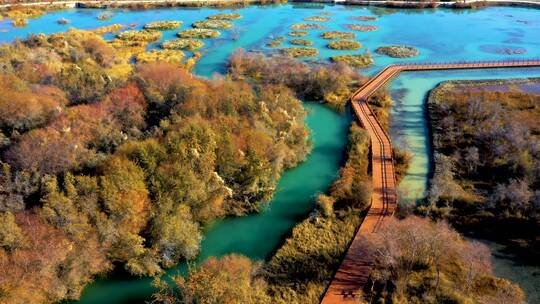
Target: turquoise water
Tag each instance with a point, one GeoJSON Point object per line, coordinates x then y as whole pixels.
{"type": "Point", "coordinates": [441, 35]}
{"type": "Point", "coordinates": [259, 235]}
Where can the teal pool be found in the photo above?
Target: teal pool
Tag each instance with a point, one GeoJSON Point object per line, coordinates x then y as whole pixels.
{"type": "Point", "coordinates": [440, 35]}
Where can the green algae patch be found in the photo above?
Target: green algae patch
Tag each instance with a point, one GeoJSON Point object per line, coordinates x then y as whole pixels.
{"type": "Point", "coordinates": [303, 42]}
{"type": "Point", "coordinates": [398, 51]}
{"type": "Point", "coordinates": [337, 35]}
{"type": "Point", "coordinates": [296, 52]}
{"type": "Point", "coordinates": [163, 25]}
{"type": "Point", "coordinates": [318, 18]}
{"type": "Point", "coordinates": [171, 56]}
{"type": "Point", "coordinates": [362, 27]}
{"type": "Point", "coordinates": [357, 61]}
{"type": "Point", "coordinates": [199, 33]}
{"type": "Point", "coordinates": [213, 24]}
{"type": "Point", "coordinates": [183, 44]}
{"type": "Point", "coordinates": [142, 35]}
{"type": "Point", "coordinates": [231, 16]}
{"type": "Point", "coordinates": [344, 45]}
{"type": "Point", "coordinates": [307, 26]}
{"type": "Point", "coordinates": [298, 34]}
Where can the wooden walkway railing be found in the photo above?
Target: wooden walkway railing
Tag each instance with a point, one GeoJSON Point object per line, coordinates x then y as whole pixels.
{"type": "Point", "coordinates": [353, 274]}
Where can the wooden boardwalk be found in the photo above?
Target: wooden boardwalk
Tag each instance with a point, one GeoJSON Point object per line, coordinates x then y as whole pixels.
{"type": "Point", "coordinates": [353, 274]}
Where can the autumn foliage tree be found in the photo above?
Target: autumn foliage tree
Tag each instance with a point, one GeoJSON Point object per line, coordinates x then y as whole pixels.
{"type": "Point", "coordinates": [419, 261]}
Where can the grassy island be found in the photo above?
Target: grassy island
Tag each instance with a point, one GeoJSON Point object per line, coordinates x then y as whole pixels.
{"type": "Point", "coordinates": [183, 44]}
{"type": "Point", "coordinates": [304, 42]}
{"type": "Point", "coordinates": [142, 35]}
{"type": "Point", "coordinates": [363, 18]}
{"type": "Point", "coordinates": [296, 52]}
{"type": "Point", "coordinates": [162, 25]}
{"type": "Point", "coordinates": [398, 51]}
{"type": "Point", "coordinates": [338, 35]}
{"type": "Point", "coordinates": [357, 61]}
{"type": "Point", "coordinates": [344, 45]}
{"type": "Point", "coordinates": [213, 24]}
{"type": "Point", "coordinates": [199, 33]}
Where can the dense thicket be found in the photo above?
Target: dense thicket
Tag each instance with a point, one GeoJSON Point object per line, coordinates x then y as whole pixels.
{"type": "Point", "coordinates": [419, 261]}
{"type": "Point", "coordinates": [487, 156]}
{"type": "Point", "coordinates": [230, 279]}
{"type": "Point", "coordinates": [104, 163]}
{"type": "Point", "coordinates": [332, 83]}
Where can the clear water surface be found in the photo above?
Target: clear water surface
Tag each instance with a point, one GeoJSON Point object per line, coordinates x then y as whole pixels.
{"type": "Point", "coordinates": [440, 35]}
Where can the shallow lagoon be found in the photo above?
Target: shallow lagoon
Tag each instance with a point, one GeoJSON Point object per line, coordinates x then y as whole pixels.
{"type": "Point", "coordinates": [440, 35]}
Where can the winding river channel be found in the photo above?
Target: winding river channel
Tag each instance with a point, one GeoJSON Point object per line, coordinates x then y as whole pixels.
{"type": "Point", "coordinates": [440, 35]}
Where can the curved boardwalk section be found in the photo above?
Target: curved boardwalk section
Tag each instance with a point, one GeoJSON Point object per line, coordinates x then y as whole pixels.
{"type": "Point", "coordinates": [353, 274]}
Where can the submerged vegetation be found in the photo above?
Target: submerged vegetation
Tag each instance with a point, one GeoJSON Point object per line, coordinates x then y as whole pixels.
{"type": "Point", "coordinates": [318, 19]}
{"type": "Point", "coordinates": [344, 45]}
{"type": "Point", "coordinates": [298, 33]}
{"type": "Point", "coordinates": [307, 26]}
{"type": "Point", "coordinates": [398, 51]}
{"type": "Point", "coordinates": [162, 25]}
{"type": "Point", "coordinates": [363, 18]}
{"type": "Point", "coordinates": [337, 34]}
{"type": "Point", "coordinates": [362, 27]}
{"type": "Point", "coordinates": [225, 16]}
{"type": "Point", "coordinates": [104, 16]}
{"type": "Point", "coordinates": [301, 42]}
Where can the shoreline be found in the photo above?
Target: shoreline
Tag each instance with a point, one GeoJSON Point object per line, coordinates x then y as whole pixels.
{"type": "Point", "coordinates": [224, 3]}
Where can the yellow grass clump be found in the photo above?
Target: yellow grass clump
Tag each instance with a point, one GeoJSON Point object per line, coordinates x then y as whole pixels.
{"type": "Point", "coordinates": [163, 25]}
{"type": "Point", "coordinates": [213, 24]}
{"type": "Point", "coordinates": [183, 44]}
{"type": "Point", "coordinates": [296, 52]}
{"type": "Point", "coordinates": [337, 35]}
{"type": "Point", "coordinates": [170, 56]}
{"type": "Point", "coordinates": [199, 33]}
{"type": "Point", "coordinates": [344, 45]}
